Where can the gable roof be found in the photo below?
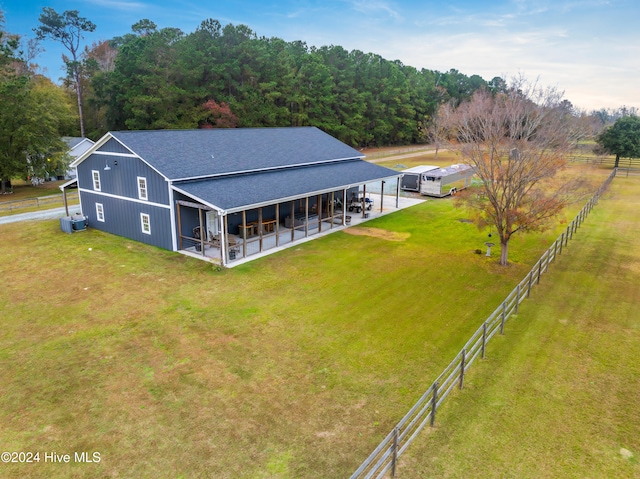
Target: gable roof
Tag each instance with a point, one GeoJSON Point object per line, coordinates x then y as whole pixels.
{"type": "Point", "coordinates": [191, 154]}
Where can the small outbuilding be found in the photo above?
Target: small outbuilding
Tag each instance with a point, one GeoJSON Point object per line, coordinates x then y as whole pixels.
{"type": "Point", "coordinates": [436, 181]}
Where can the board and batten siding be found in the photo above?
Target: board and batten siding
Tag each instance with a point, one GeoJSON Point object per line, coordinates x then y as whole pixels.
{"type": "Point", "coordinates": [120, 200]}
{"type": "Point", "coordinates": [122, 218]}
{"type": "Point", "coordinates": [122, 179]}
{"type": "Point", "coordinates": [114, 146]}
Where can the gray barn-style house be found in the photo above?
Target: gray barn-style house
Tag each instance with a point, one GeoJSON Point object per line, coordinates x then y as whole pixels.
{"type": "Point", "coordinates": [224, 194]}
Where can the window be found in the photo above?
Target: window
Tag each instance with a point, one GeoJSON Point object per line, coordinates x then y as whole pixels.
{"type": "Point", "coordinates": [142, 188]}
{"type": "Point", "coordinates": [145, 223]}
{"type": "Point", "coordinates": [100, 212]}
{"type": "Point", "coordinates": [96, 180]}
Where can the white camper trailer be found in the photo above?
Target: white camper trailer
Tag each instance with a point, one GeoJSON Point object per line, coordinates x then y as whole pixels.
{"type": "Point", "coordinates": [435, 181]}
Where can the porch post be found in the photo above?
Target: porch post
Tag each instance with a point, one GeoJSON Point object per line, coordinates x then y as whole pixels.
{"type": "Point", "coordinates": [64, 199]}
{"type": "Point", "coordinates": [223, 240]}
{"type": "Point", "coordinates": [364, 196]}
{"type": "Point", "coordinates": [293, 220]}
{"type": "Point", "coordinates": [319, 211]}
{"type": "Point", "coordinates": [344, 207]}
{"type": "Point", "coordinates": [306, 217]}
{"type": "Point", "coordinates": [244, 233]}
{"type": "Point", "coordinates": [179, 229]}
{"type": "Point", "coordinates": [398, 193]}
{"type": "Point", "coordinates": [331, 208]}
{"type": "Point", "coordinates": [381, 195]}
{"type": "Point", "coordinates": [277, 224]}
{"type": "Point", "coordinates": [201, 232]}
{"type": "Point", "coordinates": [260, 227]}
{"type": "Point", "coordinates": [222, 236]}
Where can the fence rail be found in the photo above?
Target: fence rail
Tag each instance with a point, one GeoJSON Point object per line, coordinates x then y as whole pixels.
{"type": "Point", "coordinates": [38, 202]}
{"type": "Point", "coordinates": [384, 458]}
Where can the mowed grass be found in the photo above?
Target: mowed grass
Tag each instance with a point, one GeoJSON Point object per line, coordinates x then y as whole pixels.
{"type": "Point", "coordinates": [294, 365]}
{"type": "Point", "coordinates": [558, 396]}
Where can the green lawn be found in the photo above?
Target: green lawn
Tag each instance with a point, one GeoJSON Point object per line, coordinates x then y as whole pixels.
{"type": "Point", "coordinates": [294, 365]}
{"type": "Point", "coordinates": [558, 396]}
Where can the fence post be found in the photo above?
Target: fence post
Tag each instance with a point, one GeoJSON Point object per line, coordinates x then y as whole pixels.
{"type": "Point", "coordinates": [462, 365]}
{"type": "Point", "coordinates": [517, 297]}
{"type": "Point", "coordinates": [504, 310]}
{"type": "Point", "coordinates": [539, 271]}
{"type": "Point", "coordinates": [484, 337]}
{"type": "Point", "coordinates": [530, 278]}
{"type": "Point", "coordinates": [561, 242]}
{"type": "Point", "coordinates": [555, 249]}
{"type": "Point", "coordinates": [434, 402]}
{"type": "Point", "coordinates": [394, 457]}
{"type": "Point", "coordinates": [566, 238]}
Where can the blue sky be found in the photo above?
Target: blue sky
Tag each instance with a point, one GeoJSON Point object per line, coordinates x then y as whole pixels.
{"type": "Point", "coordinates": [590, 49]}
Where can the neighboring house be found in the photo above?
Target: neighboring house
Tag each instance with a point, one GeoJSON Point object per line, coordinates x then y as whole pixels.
{"type": "Point", "coordinates": [77, 147]}
{"type": "Point", "coordinates": [222, 193]}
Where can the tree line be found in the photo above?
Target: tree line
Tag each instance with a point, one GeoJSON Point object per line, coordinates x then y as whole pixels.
{"type": "Point", "coordinates": [162, 78]}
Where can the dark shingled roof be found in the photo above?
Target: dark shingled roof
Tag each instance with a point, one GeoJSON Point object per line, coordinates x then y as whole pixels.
{"type": "Point", "coordinates": [240, 191]}
{"type": "Point", "coordinates": [182, 154]}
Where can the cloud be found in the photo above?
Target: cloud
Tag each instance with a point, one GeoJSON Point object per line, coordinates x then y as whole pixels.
{"type": "Point", "coordinates": [370, 7]}
{"type": "Point", "coordinates": [120, 4]}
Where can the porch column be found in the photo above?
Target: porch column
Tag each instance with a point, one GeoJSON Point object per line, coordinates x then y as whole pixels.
{"type": "Point", "coordinates": [244, 233]}
{"type": "Point", "coordinates": [221, 236]}
{"type": "Point", "coordinates": [293, 220]}
{"type": "Point", "coordinates": [223, 240]}
{"type": "Point", "coordinates": [381, 195]}
{"type": "Point", "coordinates": [202, 232]}
{"type": "Point", "coordinates": [260, 227]}
{"type": "Point", "coordinates": [364, 196]}
{"type": "Point", "coordinates": [344, 207]}
{"type": "Point", "coordinates": [64, 199]}
{"type": "Point", "coordinates": [277, 225]}
{"type": "Point", "coordinates": [398, 193]}
{"type": "Point", "coordinates": [179, 229]}
{"type": "Point", "coordinates": [306, 217]}
{"type": "Point", "coordinates": [331, 208]}
{"type": "Point", "coordinates": [319, 212]}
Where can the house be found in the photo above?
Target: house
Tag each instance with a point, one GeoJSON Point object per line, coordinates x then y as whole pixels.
{"type": "Point", "coordinates": [77, 146]}
{"type": "Point", "coordinates": [224, 194]}
{"type": "Point", "coordinates": [436, 181]}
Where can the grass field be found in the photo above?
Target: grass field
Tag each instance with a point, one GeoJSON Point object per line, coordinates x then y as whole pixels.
{"type": "Point", "coordinates": [294, 365]}
{"type": "Point", "coordinates": [558, 396]}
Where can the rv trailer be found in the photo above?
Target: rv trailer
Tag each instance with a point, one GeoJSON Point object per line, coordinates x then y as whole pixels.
{"type": "Point", "coordinates": [439, 182]}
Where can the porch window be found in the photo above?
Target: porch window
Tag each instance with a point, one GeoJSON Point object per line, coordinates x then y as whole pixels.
{"type": "Point", "coordinates": [100, 212]}
{"type": "Point", "coordinates": [142, 188]}
{"type": "Point", "coordinates": [96, 180]}
{"type": "Point", "coordinates": [145, 223]}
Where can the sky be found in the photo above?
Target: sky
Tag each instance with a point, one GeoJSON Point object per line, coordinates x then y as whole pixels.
{"type": "Point", "coordinates": [590, 49]}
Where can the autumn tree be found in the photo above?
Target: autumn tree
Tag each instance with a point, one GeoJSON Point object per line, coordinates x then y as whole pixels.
{"type": "Point", "coordinates": [516, 142]}
{"type": "Point", "coordinates": [218, 116]}
{"type": "Point", "coordinates": [67, 28]}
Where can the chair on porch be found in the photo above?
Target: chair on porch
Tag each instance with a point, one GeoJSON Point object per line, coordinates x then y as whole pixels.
{"type": "Point", "coordinates": [214, 240]}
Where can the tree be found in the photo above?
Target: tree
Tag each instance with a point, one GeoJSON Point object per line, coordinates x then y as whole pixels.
{"type": "Point", "coordinates": [218, 116]}
{"type": "Point", "coordinates": [516, 142]}
{"type": "Point", "coordinates": [622, 139]}
{"type": "Point", "coordinates": [67, 29]}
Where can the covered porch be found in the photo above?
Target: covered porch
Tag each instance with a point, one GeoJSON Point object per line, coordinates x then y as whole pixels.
{"type": "Point", "coordinates": [238, 235]}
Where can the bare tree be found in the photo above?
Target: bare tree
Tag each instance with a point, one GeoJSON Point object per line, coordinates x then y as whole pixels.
{"type": "Point", "coordinates": [517, 141]}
